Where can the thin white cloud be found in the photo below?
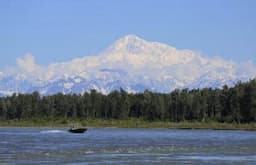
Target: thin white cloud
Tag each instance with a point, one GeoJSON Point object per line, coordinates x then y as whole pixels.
{"type": "Point", "coordinates": [27, 63]}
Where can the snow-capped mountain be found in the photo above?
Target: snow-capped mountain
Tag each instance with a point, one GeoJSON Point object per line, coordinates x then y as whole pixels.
{"type": "Point", "coordinates": [130, 63]}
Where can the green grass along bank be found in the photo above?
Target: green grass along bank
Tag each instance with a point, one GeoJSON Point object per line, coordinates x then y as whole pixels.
{"type": "Point", "coordinates": [129, 123]}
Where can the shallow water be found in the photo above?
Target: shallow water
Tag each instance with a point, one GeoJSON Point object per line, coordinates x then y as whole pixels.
{"type": "Point", "coordinates": [126, 146]}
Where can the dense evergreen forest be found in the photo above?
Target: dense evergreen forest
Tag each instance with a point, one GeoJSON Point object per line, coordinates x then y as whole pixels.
{"type": "Point", "coordinates": [236, 104]}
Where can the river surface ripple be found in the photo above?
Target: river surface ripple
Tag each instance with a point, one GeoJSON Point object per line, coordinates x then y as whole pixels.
{"type": "Point", "coordinates": [126, 146]}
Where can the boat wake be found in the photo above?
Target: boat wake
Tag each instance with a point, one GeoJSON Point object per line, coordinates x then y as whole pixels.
{"type": "Point", "coordinates": [52, 131]}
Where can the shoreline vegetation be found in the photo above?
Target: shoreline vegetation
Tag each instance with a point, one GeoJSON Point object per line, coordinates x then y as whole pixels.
{"type": "Point", "coordinates": [229, 108]}
{"type": "Point", "coordinates": [129, 123]}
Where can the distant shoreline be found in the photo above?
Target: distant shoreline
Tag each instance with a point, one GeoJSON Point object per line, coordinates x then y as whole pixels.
{"type": "Point", "coordinates": [129, 123]}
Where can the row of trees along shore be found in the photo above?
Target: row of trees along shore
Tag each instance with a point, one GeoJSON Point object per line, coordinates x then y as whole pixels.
{"type": "Point", "coordinates": [234, 105]}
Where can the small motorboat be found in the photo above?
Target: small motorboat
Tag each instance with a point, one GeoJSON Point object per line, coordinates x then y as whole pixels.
{"type": "Point", "coordinates": [77, 129]}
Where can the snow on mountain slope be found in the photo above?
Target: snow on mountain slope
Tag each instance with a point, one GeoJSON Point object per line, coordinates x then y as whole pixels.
{"type": "Point", "coordinates": [130, 63]}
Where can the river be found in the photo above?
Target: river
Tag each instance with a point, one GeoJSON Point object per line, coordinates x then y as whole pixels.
{"type": "Point", "coordinates": [126, 146]}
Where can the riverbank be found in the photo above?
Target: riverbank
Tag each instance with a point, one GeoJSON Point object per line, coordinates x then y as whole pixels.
{"type": "Point", "coordinates": [131, 123]}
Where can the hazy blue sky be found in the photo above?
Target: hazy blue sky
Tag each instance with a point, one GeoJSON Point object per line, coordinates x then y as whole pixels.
{"type": "Point", "coordinates": [59, 30]}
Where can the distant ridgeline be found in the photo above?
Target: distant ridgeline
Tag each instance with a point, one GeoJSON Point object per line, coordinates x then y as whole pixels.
{"type": "Point", "coordinates": [236, 104]}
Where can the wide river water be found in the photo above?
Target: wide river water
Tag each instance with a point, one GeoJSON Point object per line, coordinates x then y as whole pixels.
{"type": "Point", "coordinates": [126, 146]}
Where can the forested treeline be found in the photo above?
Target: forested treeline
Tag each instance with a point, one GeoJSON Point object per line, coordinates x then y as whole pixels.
{"type": "Point", "coordinates": [236, 104]}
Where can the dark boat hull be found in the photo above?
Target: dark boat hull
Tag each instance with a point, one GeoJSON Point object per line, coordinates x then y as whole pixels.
{"type": "Point", "coordinates": [77, 130]}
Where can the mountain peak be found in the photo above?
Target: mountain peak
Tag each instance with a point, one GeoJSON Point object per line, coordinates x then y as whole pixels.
{"type": "Point", "coordinates": [131, 38]}
{"type": "Point", "coordinates": [132, 44]}
{"type": "Point", "coordinates": [129, 44]}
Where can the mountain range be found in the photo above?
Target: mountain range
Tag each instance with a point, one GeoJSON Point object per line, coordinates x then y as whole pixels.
{"type": "Point", "coordinates": [130, 63]}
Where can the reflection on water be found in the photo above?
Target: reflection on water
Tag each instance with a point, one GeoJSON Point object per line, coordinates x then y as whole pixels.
{"type": "Point", "coordinates": [126, 146]}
